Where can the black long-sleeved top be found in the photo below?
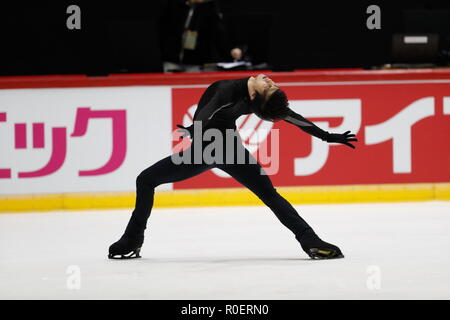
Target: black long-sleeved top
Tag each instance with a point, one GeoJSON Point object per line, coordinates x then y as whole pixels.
{"type": "Point", "coordinates": [226, 100]}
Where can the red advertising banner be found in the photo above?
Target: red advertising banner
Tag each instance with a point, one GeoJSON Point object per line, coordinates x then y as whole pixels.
{"type": "Point", "coordinates": [403, 128]}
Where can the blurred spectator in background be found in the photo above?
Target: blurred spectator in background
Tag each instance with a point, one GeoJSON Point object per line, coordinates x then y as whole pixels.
{"type": "Point", "coordinates": [201, 41]}
{"type": "Point", "coordinates": [240, 53]}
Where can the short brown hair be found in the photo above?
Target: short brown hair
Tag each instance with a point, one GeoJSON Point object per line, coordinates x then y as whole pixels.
{"type": "Point", "coordinates": [274, 108]}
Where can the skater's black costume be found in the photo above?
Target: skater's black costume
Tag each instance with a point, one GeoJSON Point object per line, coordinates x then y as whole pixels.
{"type": "Point", "coordinates": [220, 105]}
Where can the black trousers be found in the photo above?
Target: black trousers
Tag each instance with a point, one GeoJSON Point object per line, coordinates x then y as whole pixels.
{"type": "Point", "coordinates": [248, 174]}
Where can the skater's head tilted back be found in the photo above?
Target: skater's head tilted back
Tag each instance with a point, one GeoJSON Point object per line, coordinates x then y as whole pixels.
{"type": "Point", "coordinates": [267, 100]}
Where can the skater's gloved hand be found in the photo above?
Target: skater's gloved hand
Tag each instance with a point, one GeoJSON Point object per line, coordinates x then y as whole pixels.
{"type": "Point", "coordinates": [343, 138]}
{"type": "Point", "coordinates": [187, 131]}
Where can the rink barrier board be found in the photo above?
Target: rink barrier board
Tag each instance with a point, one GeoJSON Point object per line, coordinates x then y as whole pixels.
{"type": "Point", "coordinates": [202, 78]}
{"type": "Point", "coordinates": [224, 197]}
{"type": "Point", "coordinates": [228, 197]}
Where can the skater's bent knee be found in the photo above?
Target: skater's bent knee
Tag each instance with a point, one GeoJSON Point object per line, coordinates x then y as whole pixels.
{"type": "Point", "coordinates": [145, 179]}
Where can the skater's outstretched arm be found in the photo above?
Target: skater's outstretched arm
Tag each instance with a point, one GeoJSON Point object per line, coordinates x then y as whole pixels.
{"type": "Point", "coordinates": [312, 129]}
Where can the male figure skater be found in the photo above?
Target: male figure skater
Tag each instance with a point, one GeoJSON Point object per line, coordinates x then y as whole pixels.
{"type": "Point", "coordinates": [220, 105]}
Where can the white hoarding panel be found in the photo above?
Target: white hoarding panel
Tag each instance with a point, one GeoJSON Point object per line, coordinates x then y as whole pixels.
{"type": "Point", "coordinates": [81, 139]}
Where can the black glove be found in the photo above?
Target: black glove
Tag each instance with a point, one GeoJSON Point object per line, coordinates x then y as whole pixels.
{"type": "Point", "coordinates": [187, 131]}
{"type": "Point", "coordinates": [343, 138]}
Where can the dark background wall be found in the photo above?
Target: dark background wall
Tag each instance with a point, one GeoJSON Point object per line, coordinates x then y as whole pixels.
{"type": "Point", "coordinates": [138, 37]}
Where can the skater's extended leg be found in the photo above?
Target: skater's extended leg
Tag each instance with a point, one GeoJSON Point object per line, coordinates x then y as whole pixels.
{"type": "Point", "coordinates": [250, 176]}
{"type": "Point", "coordinates": [163, 171]}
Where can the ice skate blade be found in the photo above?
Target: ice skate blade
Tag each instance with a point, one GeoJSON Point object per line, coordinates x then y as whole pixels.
{"type": "Point", "coordinates": [318, 254]}
{"type": "Point", "coordinates": [131, 255]}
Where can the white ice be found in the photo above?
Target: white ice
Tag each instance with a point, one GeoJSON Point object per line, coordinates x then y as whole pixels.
{"type": "Point", "coordinates": [392, 251]}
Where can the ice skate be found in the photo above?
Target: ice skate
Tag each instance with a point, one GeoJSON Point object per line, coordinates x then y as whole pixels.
{"type": "Point", "coordinates": [318, 249]}
{"type": "Point", "coordinates": [126, 248]}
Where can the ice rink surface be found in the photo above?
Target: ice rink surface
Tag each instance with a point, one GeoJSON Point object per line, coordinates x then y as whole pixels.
{"type": "Point", "coordinates": [392, 251]}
